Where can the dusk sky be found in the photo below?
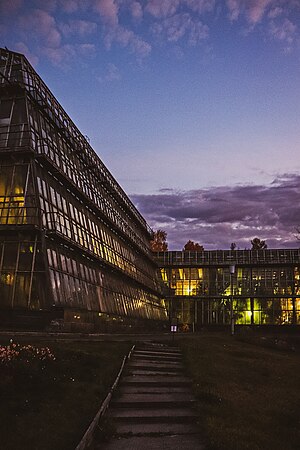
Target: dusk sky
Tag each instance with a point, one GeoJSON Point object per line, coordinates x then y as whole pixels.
{"type": "Point", "coordinates": [193, 105]}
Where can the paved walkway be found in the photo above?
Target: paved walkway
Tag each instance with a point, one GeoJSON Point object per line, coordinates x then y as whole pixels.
{"type": "Point", "coordinates": [153, 407]}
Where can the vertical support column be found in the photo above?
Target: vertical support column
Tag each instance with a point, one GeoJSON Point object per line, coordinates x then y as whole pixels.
{"type": "Point", "coordinates": [232, 271]}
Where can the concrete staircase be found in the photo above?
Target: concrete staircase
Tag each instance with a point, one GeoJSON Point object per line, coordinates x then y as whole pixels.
{"type": "Point", "coordinates": [153, 407]}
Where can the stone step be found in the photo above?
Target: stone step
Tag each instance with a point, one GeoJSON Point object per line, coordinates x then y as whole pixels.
{"type": "Point", "coordinates": [141, 359]}
{"type": "Point", "coordinates": [142, 380]}
{"type": "Point", "coordinates": [152, 373]}
{"type": "Point", "coordinates": [153, 358]}
{"type": "Point", "coordinates": [153, 415]}
{"type": "Point", "coordinates": [153, 398]}
{"type": "Point", "coordinates": [154, 366]}
{"type": "Point", "coordinates": [157, 348]}
{"type": "Point", "coordinates": [173, 442]}
{"type": "Point", "coordinates": [153, 401]}
{"type": "Point", "coordinates": [156, 404]}
{"type": "Point", "coordinates": [125, 389]}
{"type": "Point", "coordinates": [156, 428]}
{"type": "Point", "coordinates": [158, 354]}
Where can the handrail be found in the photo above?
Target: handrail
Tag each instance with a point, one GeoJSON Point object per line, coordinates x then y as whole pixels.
{"type": "Point", "coordinates": [88, 436]}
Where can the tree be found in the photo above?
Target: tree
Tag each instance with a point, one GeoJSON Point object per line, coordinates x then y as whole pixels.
{"type": "Point", "coordinates": [192, 246]}
{"type": "Point", "coordinates": [232, 246]}
{"type": "Point", "coordinates": [159, 241]}
{"type": "Point", "coordinates": [258, 244]}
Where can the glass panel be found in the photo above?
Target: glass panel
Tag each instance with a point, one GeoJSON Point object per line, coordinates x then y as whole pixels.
{"type": "Point", "coordinates": [10, 255]}
{"type": "Point", "coordinates": [25, 256]}
{"type": "Point", "coordinates": [6, 289]}
{"type": "Point", "coordinates": [22, 290]}
{"type": "Point", "coordinates": [5, 180]}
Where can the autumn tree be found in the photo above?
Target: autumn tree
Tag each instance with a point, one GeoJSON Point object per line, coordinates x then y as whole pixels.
{"type": "Point", "coordinates": [192, 246]}
{"type": "Point", "coordinates": [258, 244]}
{"type": "Point", "coordinates": [159, 241]}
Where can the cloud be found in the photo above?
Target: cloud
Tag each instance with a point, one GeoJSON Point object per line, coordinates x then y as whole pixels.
{"type": "Point", "coordinates": [217, 216]}
{"type": "Point", "coordinates": [60, 56]}
{"type": "Point", "coordinates": [136, 10]}
{"type": "Point", "coordinates": [277, 16]}
{"type": "Point", "coordinates": [112, 74]}
{"type": "Point", "coordinates": [70, 6]}
{"type": "Point", "coordinates": [86, 49]}
{"type": "Point", "coordinates": [180, 25]}
{"type": "Point", "coordinates": [275, 12]}
{"type": "Point", "coordinates": [78, 27]}
{"type": "Point", "coordinates": [127, 38]}
{"type": "Point", "coordinates": [254, 10]}
{"type": "Point", "coordinates": [8, 7]}
{"type": "Point", "coordinates": [131, 24]}
{"type": "Point", "coordinates": [42, 25]}
{"type": "Point", "coordinates": [284, 31]}
{"type": "Point", "coordinates": [108, 10]}
{"type": "Point", "coordinates": [22, 48]}
{"type": "Point", "coordinates": [159, 8]}
{"type": "Point", "coordinates": [201, 6]}
{"type": "Point", "coordinates": [167, 8]}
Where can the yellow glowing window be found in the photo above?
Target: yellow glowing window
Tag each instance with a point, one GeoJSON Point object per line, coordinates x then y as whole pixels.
{"type": "Point", "coordinates": [164, 275]}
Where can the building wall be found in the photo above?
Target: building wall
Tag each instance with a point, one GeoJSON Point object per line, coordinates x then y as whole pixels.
{"type": "Point", "coordinates": [86, 246]}
{"type": "Point", "coordinates": [265, 286]}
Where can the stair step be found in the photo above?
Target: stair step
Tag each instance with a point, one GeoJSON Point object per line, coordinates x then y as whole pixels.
{"type": "Point", "coordinates": [153, 390]}
{"type": "Point", "coordinates": [153, 415]}
{"type": "Point", "coordinates": [142, 380]}
{"type": "Point", "coordinates": [172, 442]}
{"type": "Point", "coordinates": [156, 428]}
{"type": "Point", "coordinates": [152, 398]}
{"type": "Point", "coordinates": [155, 367]}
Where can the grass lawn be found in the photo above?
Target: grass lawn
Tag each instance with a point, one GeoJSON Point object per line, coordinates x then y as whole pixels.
{"type": "Point", "coordinates": [47, 406]}
{"type": "Point", "coordinates": [249, 395]}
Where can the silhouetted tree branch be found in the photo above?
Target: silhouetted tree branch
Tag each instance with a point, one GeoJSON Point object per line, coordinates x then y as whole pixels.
{"type": "Point", "coordinates": [192, 246]}
{"type": "Point", "coordinates": [258, 244]}
{"type": "Point", "coordinates": [159, 241]}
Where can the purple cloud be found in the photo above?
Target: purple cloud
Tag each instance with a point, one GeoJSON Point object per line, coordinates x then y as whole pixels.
{"type": "Point", "coordinates": [50, 28]}
{"type": "Point", "coordinates": [217, 216]}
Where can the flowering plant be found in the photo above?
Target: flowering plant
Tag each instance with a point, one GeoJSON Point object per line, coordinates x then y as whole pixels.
{"type": "Point", "coordinates": [12, 353]}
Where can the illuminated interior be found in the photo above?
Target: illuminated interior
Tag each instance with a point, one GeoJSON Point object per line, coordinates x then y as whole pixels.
{"type": "Point", "coordinates": [264, 291]}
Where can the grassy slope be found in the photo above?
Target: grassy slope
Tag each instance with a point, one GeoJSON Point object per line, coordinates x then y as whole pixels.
{"type": "Point", "coordinates": [249, 396]}
{"type": "Point", "coordinates": [51, 408]}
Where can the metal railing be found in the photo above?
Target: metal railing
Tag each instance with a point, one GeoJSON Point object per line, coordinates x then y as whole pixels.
{"type": "Point", "coordinates": [19, 215]}
{"type": "Point", "coordinates": [227, 257]}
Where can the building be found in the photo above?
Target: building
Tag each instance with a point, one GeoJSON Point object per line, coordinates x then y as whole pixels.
{"type": "Point", "coordinates": [263, 285]}
{"type": "Point", "coordinates": [73, 248]}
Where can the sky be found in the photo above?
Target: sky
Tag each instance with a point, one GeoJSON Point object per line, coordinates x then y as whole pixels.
{"type": "Point", "coordinates": [193, 105]}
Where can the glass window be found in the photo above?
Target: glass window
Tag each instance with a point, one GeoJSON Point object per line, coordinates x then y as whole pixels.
{"type": "Point", "coordinates": [6, 289]}
{"type": "Point", "coordinates": [5, 111]}
{"type": "Point", "coordinates": [10, 256]}
{"type": "Point", "coordinates": [22, 286]}
{"type": "Point", "coordinates": [26, 255]}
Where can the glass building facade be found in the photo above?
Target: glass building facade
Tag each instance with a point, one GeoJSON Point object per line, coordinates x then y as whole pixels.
{"type": "Point", "coordinates": [263, 285]}
{"type": "Point", "coordinates": [72, 245]}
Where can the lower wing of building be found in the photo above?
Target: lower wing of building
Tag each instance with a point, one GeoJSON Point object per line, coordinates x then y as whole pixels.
{"type": "Point", "coordinates": [263, 286]}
